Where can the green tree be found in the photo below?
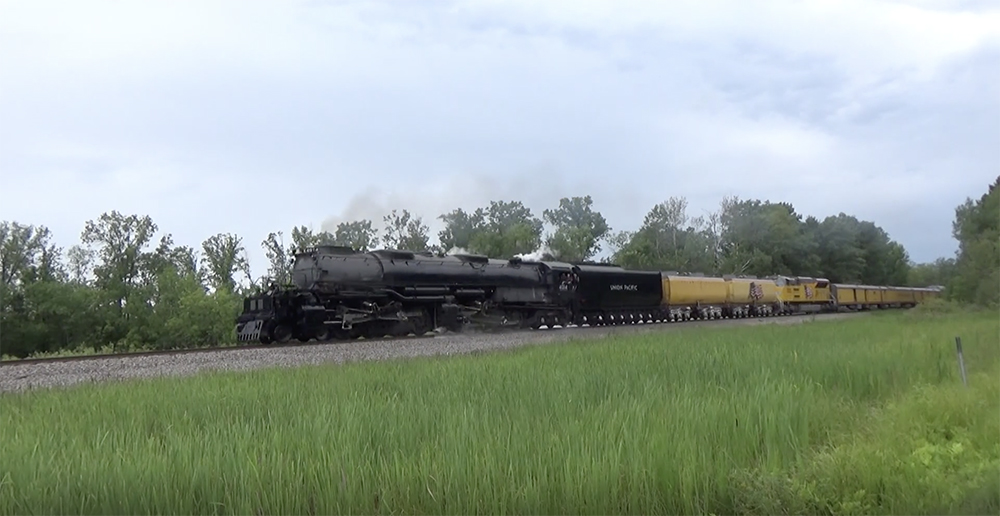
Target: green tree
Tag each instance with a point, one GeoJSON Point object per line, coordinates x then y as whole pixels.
{"type": "Point", "coordinates": [303, 237]}
{"type": "Point", "coordinates": [940, 272]}
{"type": "Point", "coordinates": [279, 259]}
{"type": "Point", "coordinates": [358, 235]}
{"type": "Point", "coordinates": [187, 316]}
{"type": "Point", "coordinates": [668, 240]}
{"type": "Point", "coordinates": [403, 231]}
{"type": "Point", "coordinates": [764, 238]}
{"type": "Point", "coordinates": [26, 253]}
{"type": "Point", "coordinates": [977, 278]}
{"type": "Point", "coordinates": [508, 228]}
{"type": "Point", "coordinates": [181, 257]}
{"type": "Point", "coordinates": [459, 228]}
{"type": "Point", "coordinates": [842, 260]}
{"type": "Point", "coordinates": [119, 243]}
{"type": "Point", "coordinates": [224, 256]}
{"type": "Point", "coordinates": [52, 315]}
{"type": "Point", "coordinates": [578, 229]}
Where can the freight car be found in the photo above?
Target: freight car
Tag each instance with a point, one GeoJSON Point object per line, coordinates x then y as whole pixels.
{"type": "Point", "coordinates": [751, 297]}
{"type": "Point", "coordinates": [339, 293]}
{"type": "Point", "coordinates": [869, 297]}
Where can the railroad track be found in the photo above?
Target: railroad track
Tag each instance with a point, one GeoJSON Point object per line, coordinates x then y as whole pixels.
{"type": "Point", "coordinates": [186, 351]}
{"type": "Point", "coordinates": [63, 372]}
{"type": "Point", "coordinates": [189, 351]}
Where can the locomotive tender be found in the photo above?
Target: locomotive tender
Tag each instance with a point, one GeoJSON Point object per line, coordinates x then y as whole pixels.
{"type": "Point", "coordinates": [338, 293]}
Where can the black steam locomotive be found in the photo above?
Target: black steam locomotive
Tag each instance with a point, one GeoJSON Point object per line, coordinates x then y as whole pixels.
{"type": "Point", "coordinates": [338, 293]}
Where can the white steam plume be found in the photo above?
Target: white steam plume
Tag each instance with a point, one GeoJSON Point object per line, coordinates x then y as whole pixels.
{"type": "Point", "coordinates": [536, 255]}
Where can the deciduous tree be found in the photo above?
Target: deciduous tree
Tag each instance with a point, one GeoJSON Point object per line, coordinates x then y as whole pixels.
{"type": "Point", "coordinates": [578, 229]}
{"type": "Point", "coordinates": [403, 231]}
{"type": "Point", "coordinates": [223, 257]}
{"type": "Point", "coordinates": [358, 235]}
{"type": "Point", "coordinates": [508, 228]}
{"type": "Point", "coordinates": [977, 229]}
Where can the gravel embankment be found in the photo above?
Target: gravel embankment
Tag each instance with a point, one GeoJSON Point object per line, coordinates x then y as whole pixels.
{"type": "Point", "coordinates": [63, 374]}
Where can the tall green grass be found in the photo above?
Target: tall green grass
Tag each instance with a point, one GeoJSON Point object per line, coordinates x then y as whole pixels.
{"type": "Point", "coordinates": [808, 418]}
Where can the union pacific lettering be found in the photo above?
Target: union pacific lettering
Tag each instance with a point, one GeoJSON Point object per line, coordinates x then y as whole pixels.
{"type": "Point", "coordinates": [625, 287]}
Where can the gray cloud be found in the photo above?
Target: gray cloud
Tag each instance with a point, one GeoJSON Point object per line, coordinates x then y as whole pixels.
{"type": "Point", "coordinates": [254, 117]}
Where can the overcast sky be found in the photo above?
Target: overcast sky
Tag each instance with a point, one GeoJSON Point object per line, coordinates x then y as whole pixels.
{"type": "Point", "coordinates": [251, 116]}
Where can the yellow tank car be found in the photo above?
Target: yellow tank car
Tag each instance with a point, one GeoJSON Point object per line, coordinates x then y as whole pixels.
{"type": "Point", "coordinates": [694, 297]}
{"type": "Point", "coordinates": [751, 297]}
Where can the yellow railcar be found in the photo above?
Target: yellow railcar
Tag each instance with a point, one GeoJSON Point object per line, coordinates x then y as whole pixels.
{"type": "Point", "coordinates": [873, 296]}
{"type": "Point", "coordinates": [751, 296]}
{"type": "Point", "coordinates": [908, 296]}
{"type": "Point", "coordinates": [861, 297]}
{"type": "Point", "coordinates": [847, 295]}
{"type": "Point", "coordinates": [899, 296]}
{"type": "Point", "coordinates": [889, 296]}
{"type": "Point", "coordinates": [924, 294]}
{"type": "Point", "coordinates": [694, 297]}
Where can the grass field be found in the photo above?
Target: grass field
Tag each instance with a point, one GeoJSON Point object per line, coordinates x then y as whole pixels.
{"type": "Point", "coordinates": [850, 417]}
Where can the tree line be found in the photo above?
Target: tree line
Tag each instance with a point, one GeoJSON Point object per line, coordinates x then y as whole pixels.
{"type": "Point", "coordinates": [121, 288]}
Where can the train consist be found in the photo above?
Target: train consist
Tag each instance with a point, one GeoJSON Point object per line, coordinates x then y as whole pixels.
{"type": "Point", "coordinates": [338, 293]}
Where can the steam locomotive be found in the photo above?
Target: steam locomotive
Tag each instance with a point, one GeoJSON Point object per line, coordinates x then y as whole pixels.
{"type": "Point", "coordinates": [338, 293]}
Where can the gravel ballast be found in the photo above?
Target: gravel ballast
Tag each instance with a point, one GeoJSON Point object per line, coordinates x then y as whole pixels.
{"type": "Point", "coordinates": [20, 377]}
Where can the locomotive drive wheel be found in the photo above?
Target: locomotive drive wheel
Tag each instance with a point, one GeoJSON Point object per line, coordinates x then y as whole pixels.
{"type": "Point", "coordinates": [281, 334]}
{"type": "Point", "coordinates": [322, 334]}
{"type": "Point", "coordinates": [421, 324]}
